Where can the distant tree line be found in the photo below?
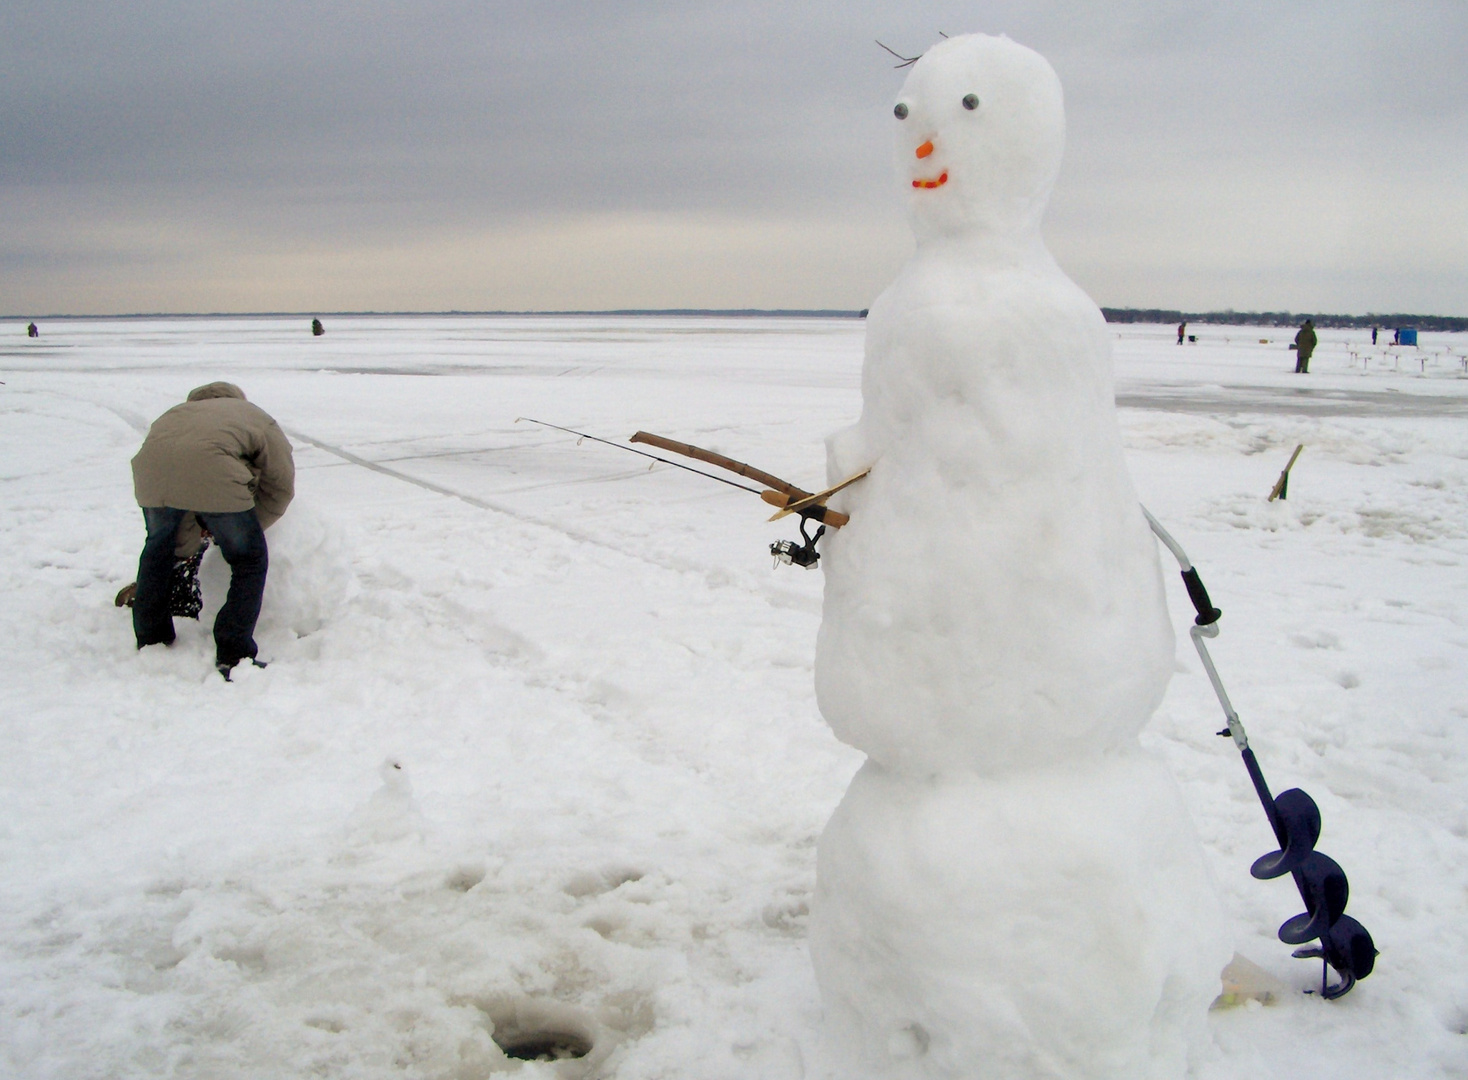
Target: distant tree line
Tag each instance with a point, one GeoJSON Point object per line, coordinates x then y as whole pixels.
{"type": "Point", "coordinates": [1283, 318]}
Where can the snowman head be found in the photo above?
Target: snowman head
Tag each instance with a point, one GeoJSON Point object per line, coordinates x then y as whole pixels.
{"type": "Point", "coordinates": [980, 131]}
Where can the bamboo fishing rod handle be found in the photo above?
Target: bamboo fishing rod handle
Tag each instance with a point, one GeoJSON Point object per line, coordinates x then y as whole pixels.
{"type": "Point", "coordinates": [833, 518]}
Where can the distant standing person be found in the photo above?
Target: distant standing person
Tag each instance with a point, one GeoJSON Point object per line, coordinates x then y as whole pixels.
{"type": "Point", "coordinates": [1182, 328]}
{"type": "Point", "coordinates": [31, 331]}
{"type": "Point", "coordinates": [1373, 335]}
{"type": "Point", "coordinates": [228, 463]}
{"type": "Point", "coordinates": [1304, 346]}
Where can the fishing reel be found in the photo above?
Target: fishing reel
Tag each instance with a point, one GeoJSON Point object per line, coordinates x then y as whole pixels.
{"type": "Point", "coordinates": [792, 554]}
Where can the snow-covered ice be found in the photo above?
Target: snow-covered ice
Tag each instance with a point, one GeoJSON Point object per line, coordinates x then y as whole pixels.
{"type": "Point", "coordinates": [538, 742]}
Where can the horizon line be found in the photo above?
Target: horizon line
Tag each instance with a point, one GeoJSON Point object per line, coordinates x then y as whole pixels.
{"type": "Point", "coordinates": [1228, 315]}
{"type": "Point", "coordinates": [808, 312]}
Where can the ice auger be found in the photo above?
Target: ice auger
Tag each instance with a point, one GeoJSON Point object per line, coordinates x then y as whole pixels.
{"type": "Point", "coordinates": [1344, 943]}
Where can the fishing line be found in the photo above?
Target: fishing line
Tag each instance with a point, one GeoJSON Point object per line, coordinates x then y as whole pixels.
{"type": "Point", "coordinates": [643, 453]}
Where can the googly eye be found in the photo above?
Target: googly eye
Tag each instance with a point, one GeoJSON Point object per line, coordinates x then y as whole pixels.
{"type": "Point", "coordinates": [901, 111]}
{"type": "Point", "coordinates": [970, 101]}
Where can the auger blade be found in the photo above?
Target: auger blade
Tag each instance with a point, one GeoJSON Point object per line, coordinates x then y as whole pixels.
{"type": "Point", "coordinates": [1348, 948]}
{"type": "Point", "coordinates": [1325, 890]}
{"type": "Point", "coordinates": [1297, 816]}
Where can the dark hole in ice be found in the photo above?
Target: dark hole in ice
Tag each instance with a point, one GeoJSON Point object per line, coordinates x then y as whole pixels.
{"type": "Point", "coordinates": [544, 1045]}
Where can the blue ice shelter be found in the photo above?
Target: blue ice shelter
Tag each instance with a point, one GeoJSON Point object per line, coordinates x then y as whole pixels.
{"type": "Point", "coordinates": [1407, 336]}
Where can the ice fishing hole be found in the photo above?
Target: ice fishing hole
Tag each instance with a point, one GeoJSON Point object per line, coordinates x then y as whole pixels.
{"type": "Point", "coordinates": [544, 1045]}
{"type": "Point", "coordinates": [530, 1029]}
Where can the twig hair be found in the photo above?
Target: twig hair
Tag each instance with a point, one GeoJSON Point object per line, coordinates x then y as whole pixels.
{"type": "Point", "coordinates": [906, 60]}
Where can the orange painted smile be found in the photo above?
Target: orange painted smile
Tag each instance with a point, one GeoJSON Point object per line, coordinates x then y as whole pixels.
{"type": "Point", "coordinates": [922, 152]}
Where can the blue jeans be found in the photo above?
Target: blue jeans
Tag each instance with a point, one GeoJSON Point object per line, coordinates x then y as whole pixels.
{"type": "Point", "coordinates": [241, 541]}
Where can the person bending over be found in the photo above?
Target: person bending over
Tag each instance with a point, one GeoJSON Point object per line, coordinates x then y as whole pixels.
{"type": "Point", "coordinates": [227, 463]}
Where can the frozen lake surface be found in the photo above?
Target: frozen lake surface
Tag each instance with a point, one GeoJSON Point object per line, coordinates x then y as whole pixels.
{"type": "Point", "coordinates": [538, 743]}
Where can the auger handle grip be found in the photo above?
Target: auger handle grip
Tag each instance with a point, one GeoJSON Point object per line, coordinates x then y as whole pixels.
{"type": "Point", "coordinates": [1207, 613]}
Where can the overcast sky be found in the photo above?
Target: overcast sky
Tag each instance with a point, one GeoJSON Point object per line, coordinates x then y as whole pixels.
{"type": "Point", "coordinates": [571, 154]}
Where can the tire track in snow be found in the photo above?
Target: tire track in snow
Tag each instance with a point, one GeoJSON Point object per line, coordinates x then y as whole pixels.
{"type": "Point", "coordinates": [509, 650]}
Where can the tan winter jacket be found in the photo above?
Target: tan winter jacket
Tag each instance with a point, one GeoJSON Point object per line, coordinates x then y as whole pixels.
{"type": "Point", "coordinates": [216, 453]}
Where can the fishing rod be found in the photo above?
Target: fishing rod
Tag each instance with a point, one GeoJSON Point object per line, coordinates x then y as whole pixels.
{"type": "Point", "coordinates": [781, 494]}
{"type": "Point", "coordinates": [788, 498]}
{"type": "Point", "coordinates": [1344, 943]}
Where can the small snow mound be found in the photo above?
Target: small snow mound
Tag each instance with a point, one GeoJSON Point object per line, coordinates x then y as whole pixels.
{"type": "Point", "coordinates": [311, 576]}
{"type": "Point", "coordinates": [391, 814]}
{"type": "Point", "coordinates": [309, 581]}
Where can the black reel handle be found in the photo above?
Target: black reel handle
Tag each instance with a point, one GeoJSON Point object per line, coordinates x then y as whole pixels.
{"type": "Point", "coordinates": [805, 554]}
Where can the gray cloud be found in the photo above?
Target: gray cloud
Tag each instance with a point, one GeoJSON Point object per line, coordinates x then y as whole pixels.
{"type": "Point", "coordinates": [233, 156]}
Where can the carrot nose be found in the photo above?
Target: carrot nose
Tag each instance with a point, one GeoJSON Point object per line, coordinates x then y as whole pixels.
{"type": "Point", "coordinates": [924, 150]}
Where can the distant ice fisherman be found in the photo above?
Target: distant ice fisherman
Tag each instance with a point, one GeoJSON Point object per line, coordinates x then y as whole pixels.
{"type": "Point", "coordinates": [1304, 347]}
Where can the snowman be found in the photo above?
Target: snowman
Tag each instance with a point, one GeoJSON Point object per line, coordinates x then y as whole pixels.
{"type": "Point", "coordinates": [1011, 886]}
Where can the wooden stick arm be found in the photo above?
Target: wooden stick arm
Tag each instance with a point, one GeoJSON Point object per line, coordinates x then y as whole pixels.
{"type": "Point", "coordinates": [698, 453]}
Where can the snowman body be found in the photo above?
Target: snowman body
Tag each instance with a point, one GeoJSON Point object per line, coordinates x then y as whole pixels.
{"type": "Point", "coordinates": [1010, 886]}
